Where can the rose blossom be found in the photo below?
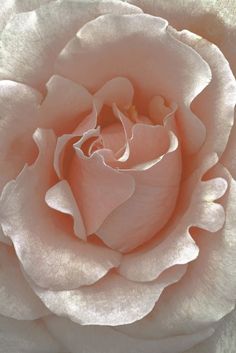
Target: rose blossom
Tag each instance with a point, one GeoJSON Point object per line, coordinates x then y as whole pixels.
{"type": "Point", "coordinates": [117, 163]}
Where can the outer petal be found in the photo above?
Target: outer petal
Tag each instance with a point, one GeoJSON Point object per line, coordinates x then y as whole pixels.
{"type": "Point", "coordinates": [112, 301]}
{"type": "Point", "coordinates": [26, 337]}
{"type": "Point", "coordinates": [31, 41]}
{"type": "Point", "coordinates": [132, 41]}
{"type": "Point", "coordinates": [213, 20]}
{"type": "Point", "coordinates": [44, 243]}
{"type": "Point", "coordinates": [95, 339]}
{"type": "Point", "coordinates": [223, 340]}
{"type": "Point", "coordinates": [17, 300]}
{"type": "Point", "coordinates": [207, 292]}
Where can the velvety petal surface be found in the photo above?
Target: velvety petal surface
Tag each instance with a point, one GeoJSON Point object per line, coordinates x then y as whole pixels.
{"type": "Point", "coordinates": [111, 301]}
{"type": "Point", "coordinates": [26, 337]}
{"type": "Point", "coordinates": [32, 40]}
{"type": "Point", "coordinates": [207, 291]}
{"type": "Point", "coordinates": [17, 300]}
{"type": "Point", "coordinates": [47, 249]}
{"type": "Point", "coordinates": [104, 339]}
{"type": "Point", "coordinates": [152, 203]}
{"type": "Point", "coordinates": [132, 41]}
{"type": "Point", "coordinates": [174, 245]}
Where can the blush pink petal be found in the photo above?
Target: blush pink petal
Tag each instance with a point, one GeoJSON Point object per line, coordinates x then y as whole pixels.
{"type": "Point", "coordinates": [113, 137]}
{"type": "Point", "coordinates": [17, 299]}
{"type": "Point", "coordinates": [207, 291]}
{"type": "Point", "coordinates": [60, 197]}
{"type": "Point", "coordinates": [64, 105]}
{"type": "Point", "coordinates": [146, 212]}
{"type": "Point", "coordinates": [215, 105]}
{"type": "Point", "coordinates": [26, 337]}
{"type": "Point", "coordinates": [177, 246]}
{"type": "Point", "coordinates": [96, 55]}
{"type": "Point", "coordinates": [32, 40]}
{"type": "Point", "coordinates": [91, 339]}
{"type": "Point", "coordinates": [112, 301]}
{"type": "Point", "coordinates": [98, 188]}
{"type": "Point", "coordinates": [49, 253]}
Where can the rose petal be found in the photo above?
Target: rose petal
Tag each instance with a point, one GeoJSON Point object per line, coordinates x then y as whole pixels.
{"type": "Point", "coordinates": [60, 198]}
{"type": "Point", "coordinates": [112, 301]}
{"type": "Point", "coordinates": [113, 137]}
{"type": "Point", "coordinates": [98, 188]}
{"type": "Point", "coordinates": [151, 205]}
{"type": "Point", "coordinates": [50, 255]}
{"type": "Point", "coordinates": [214, 21]}
{"type": "Point", "coordinates": [17, 300]}
{"type": "Point", "coordinates": [177, 246]}
{"type": "Point", "coordinates": [18, 119]}
{"type": "Point", "coordinates": [63, 105]}
{"type": "Point", "coordinates": [131, 42]}
{"type": "Point", "coordinates": [26, 337]}
{"type": "Point", "coordinates": [31, 41]}
{"type": "Point", "coordinates": [91, 339]}
{"type": "Point", "coordinates": [223, 340]}
{"type": "Point", "coordinates": [207, 291]}
{"type": "Point", "coordinates": [215, 106]}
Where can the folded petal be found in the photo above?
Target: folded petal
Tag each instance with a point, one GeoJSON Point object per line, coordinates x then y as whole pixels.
{"type": "Point", "coordinates": [146, 212]}
{"type": "Point", "coordinates": [175, 245]}
{"type": "Point", "coordinates": [112, 301]}
{"type": "Point", "coordinates": [26, 337]}
{"type": "Point", "coordinates": [91, 339]}
{"type": "Point", "coordinates": [17, 299]}
{"type": "Point", "coordinates": [49, 253]}
{"type": "Point", "coordinates": [32, 40]}
{"type": "Point", "coordinates": [207, 291]}
{"type": "Point", "coordinates": [98, 188]}
{"type": "Point", "coordinates": [132, 41]}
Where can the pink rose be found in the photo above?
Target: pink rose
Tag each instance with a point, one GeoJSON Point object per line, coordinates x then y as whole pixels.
{"type": "Point", "coordinates": [117, 192]}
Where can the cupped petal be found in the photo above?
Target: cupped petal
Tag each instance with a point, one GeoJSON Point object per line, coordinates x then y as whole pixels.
{"type": "Point", "coordinates": [17, 299]}
{"type": "Point", "coordinates": [111, 301]}
{"type": "Point", "coordinates": [91, 339]}
{"type": "Point", "coordinates": [175, 245]}
{"type": "Point", "coordinates": [18, 119]}
{"type": "Point", "coordinates": [150, 207]}
{"type": "Point", "coordinates": [215, 105]}
{"type": "Point", "coordinates": [65, 106]}
{"type": "Point", "coordinates": [44, 244]}
{"type": "Point", "coordinates": [212, 20]}
{"type": "Point", "coordinates": [32, 40]}
{"type": "Point", "coordinates": [98, 188]}
{"type": "Point", "coordinates": [207, 291]}
{"type": "Point", "coordinates": [26, 337]}
{"type": "Point", "coordinates": [132, 41]}
{"type": "Point", "coordinates": [60, 198]}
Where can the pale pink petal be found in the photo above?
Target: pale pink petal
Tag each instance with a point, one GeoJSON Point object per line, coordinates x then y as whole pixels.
{"type": "Point", "coordinates": [112, 301]}
{"type": "Point", "coordinates": [150, 207]}
{"type": "Point", "coordinates": [176, 245]}
{"type": "Point", "coordinates": [229, 157]}
{"type": "Point", "coordinates": [215, 105]}
{"type": "Point", "coordinates": [132, 41]}
{"type": "Point", "coordinates": [64, 106]}
{"type": "Point", "coordinates": [212, 20]}
{"type": "Point", "coordinates": [26, 337]}
{"type": "Point", "coordinates": [223, 340]}
{"type": "Point", "coordinates": [44, 242]}
{"type": "Point", "coordinates": [32, 40]}
{"type": "Point", "coordinates": [17, 299]}
{"type": "Point", "coordinates": [60, 197]}
{"type": "Point", "coordinates": [117, 91]}
{"type": "Point", "coordinates": [113, 137]}
{"type": "Point", "coordinates": [18, 119]}
{"type": "Point", "coordinates": [98, 188]}
{"type": "Point", "coordinates": [104, 339]}
{"type": "Point", "coordinates": [207, 292]}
